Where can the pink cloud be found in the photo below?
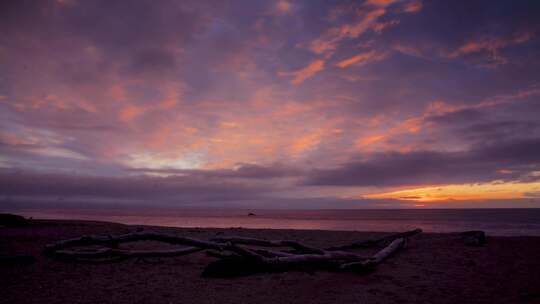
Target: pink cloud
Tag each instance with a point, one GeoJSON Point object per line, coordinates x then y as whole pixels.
{"type": "Point", "coordinates": [328, 42]}
{"type": "Point", "coordinates": [131, 112]}
{"type": "Point", "coordinates": [361, 59]}
{"type": "Point", "coordinates": [283, 6]}
{"type": "Point", "coordinates": [382, 3]}
{"type": "Point", "coordinates": [301, 75]}
{"type": "Point", "coordinates": [381, 26]}
{"type": "Point", "coordinates": [413, 7]}
{"type": "Point", "coordinates": [491, 46]}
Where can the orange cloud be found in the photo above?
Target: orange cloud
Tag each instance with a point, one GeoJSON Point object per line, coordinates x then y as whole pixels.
{"type": "Point", "coordinates": [361, 59]}
{"type": "Point", "coordinates": [283, 6]}
{"type": "Point", "coordinates": [492, 46]}
{"type": "Point", "coordinates": [413, 7]}
{"type": "Point", "coordinates": [117, 92]}
{"type": "Point", "coordinates": [407, 50]}
{"type": "Point", "coordinates": [301, 75]}
{"type": "Point", "coordinates": [171, 93]}
{"type": "Point", "coordinates": [56, 103]}
{"type": "Point", "coordinates": [328, 42]}
{"type": "Point", "coordinates": [131, 112]}
{"type": "Point", "coordinates": [369, 140]}
{"type": "Point", "coordinates": [167, 104]}
{"type": "Point", "coordinates": [380, 2]}
{"type": "Point", "coordinates": [411, 125]}
{"type": "Point", "coordinates": [420, 122]}
{"type": "Point", "coordinates": [305, 143]}
{"type": "Point", "coordinates": [292, 108]}
{"type": "Point", "coordinates": [485, 191]}
{"type": "Point", "coordinates": [381, 26]}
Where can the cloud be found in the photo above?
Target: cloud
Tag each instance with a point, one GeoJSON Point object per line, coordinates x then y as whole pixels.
{"type": "Point", "coordinates": [369, 140]}
{"type": "Point", "coordinates": [408, 50]}
{"type": "Point", "coordinates": [381, 26]}
{"type": "Point", "coordinates": [413, 6]}
{"type": "Point", "coordinates": [283, 6]}
{"type": "Point", "coordinates": [126, 187]}
{"type": "Point", "coordinates": [491, 46]}
{"type": "Point", "coordinates": [492, 131]}
{"type": "Point", "coordinates": [382, 3]}
{"type": "Point", "coordinates": [361, 59]}
{"type": "Point", "coordinates": [464, 192]}
{"type": "Point", "coordinates": [153, 60]}
{"type": "Point", "coordinates": [243, 171]}
{"type": "Point", "coordinates": [457, 117]}
{"type": "Point", "coordinates": [479, 164]}
{"type": "Point", "coordinates": [301, 75]}
{"type": "Point", "coordinates": [330, 39]}
{"type": "Point", "coordinates": [202, 90]}
{"type": "Point", "coordinates": [131, 112]}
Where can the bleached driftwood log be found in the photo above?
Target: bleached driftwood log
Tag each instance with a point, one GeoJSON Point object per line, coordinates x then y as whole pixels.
{"type": "Point", "coordinates": [112, 254]}
{"type": "Point", "coordinates": [235, 255]}
{"type": "Point", "coordinates": [102, 252]}
{"type": "Point", "coordinates": [376, 242]}
{"type": "Point", "coordinates": [266, 243]}
{"type": "Point", "coordinates": [388, 251]}
{"type": "Point", "coordinates": [131, 237]}
{"type": "Point", "coordinates": [375, 259]}
{"type": "Point", "coordinates": [249, 261]}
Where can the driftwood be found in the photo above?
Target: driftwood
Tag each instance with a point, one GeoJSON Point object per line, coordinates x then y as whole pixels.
{"type": "Point", "coordinates": [249, 261]}
{"type": "Point", "coordinates": [266, 243]}
{"type": "Point", "coordinates": [236, 255]}
{"type": "Point", "coordinates": [131, 237]}
{"type": "Point", "coordinates": [377, 258]}
{"type": "Point", "coordinates": [377, 242]}
{"type": "Point", "coordinates": [102, 252]}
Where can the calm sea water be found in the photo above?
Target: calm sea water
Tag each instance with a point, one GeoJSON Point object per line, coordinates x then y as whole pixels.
{"type": "Point", "coordinates": [503, 222]}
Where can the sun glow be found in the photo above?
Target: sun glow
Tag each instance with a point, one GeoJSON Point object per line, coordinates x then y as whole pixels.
{"type": "Point", "coordinates": [486, 191]}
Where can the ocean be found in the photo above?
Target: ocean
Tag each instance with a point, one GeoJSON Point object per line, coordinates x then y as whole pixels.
{"type": "Point", "coordinates": [500, 222]}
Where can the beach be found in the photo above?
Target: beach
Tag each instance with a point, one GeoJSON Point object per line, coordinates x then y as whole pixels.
{"type": "Point", "coordinates": [434, 268]}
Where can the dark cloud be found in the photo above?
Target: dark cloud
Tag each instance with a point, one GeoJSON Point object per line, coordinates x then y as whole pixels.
{"type": "Point", "coordinates": [480, 164]}
{"type": "Point", "coordinates": [153, 60]}
{"type": "Point", "coordinates": [498, 130]}
{"type": "Point", "coordinates": [31, 184]}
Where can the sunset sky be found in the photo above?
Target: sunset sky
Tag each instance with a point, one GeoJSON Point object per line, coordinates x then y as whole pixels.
{"type": "Point", "coordinates": [270, 104]}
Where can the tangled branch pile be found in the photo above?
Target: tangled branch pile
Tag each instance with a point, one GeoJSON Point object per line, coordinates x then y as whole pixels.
{"type": "Point", "coordinates": [236, 255]}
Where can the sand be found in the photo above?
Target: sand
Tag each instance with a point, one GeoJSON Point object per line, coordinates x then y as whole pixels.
{"type": "Point", "coordinates": [435, 268]}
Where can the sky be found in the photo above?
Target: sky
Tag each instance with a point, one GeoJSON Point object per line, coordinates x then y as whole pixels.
{"type": "Point", "coordinates": [270, 104]}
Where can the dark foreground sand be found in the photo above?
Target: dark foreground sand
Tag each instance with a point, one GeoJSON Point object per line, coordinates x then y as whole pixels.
{"type": "Point", "coordinates": [435, 268]}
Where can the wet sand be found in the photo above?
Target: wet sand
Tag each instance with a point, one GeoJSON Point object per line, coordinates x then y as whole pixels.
{"type": "Point", "coordinates": [435, 268]}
